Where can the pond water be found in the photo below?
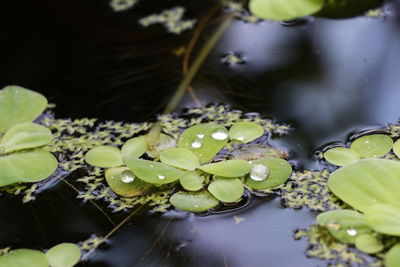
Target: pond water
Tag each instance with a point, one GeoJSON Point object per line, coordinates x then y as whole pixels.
{"type": "Point", "coordinates": [327, 78]}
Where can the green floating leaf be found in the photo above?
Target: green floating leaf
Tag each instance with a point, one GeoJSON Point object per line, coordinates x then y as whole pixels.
{"type": "Point", "coordinates": [284, 9]}
{"type": "Point", "coordinates": [384, 218]}
{"type": "Point", "coordinates": [123, 182]}
{"type": "Point", "coordinates": [268, 173]}
{"type": "Point", "coordinates": [204, 140]}
{"type": "Point", "coordinates": [18, 105]}
{"type": "Point", "coordinates": [228, 168]}
{"type": "Point", "coordinates": [367, 182]}
{"type": "Point", "coordinates": [191, 181]}
{"type": "Point", "coordinates": [245, 132]}
{"type": "Point", "coordinates": [24, 257]}
{"type": "Point", "coordinates": [193, 201]}
{"type": "Point", "coordinates": [153, 172]}
{"type": "Point", "coordinates": [104, 157]}
{"type": "Point", "coordinates": [180, 157]}
{"type": "Point", "coordinates": [368, 244]}
{"type": "Point", "coordinates": [341, 156]}
{"type": "Point", "coordinates": [392, 258]}
{"type": "Point", "coordinates": [29, 167]}
{"type": "Point", "coordinates": [344, 225]}
{"type": "Point", "coordinates": [134, 147]}
{"type": "Point", "coordinates": [372, 146]}
{"type": "Point", "coordinates": [63, 255]}
{"type": "Point", "coordinates": [25, 135]}
{"type": "Point", "coordinates": [226, 190]}
{"type": "Point", "coordinates": [396, 148]}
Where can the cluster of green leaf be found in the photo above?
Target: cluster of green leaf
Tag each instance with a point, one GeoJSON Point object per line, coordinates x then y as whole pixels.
{"type": "Point", "coordinates": [22, 158]}
{"type": "Point", "coordinates": [292, 9]}
{"type": "Point", "coordinates": [62, 255]}
{"type": "Point", "coordinates": [371, 186]}
{"type": "Point", "coordinates": [204, 181]}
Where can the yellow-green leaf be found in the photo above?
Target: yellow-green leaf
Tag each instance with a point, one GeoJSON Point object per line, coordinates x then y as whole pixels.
{"type": "Point", "coordinates": [63, 255]}
{"type": "Point", "coordinates": [104, 157]}
{"type": "Point", "coordinates": [25, 135]}
{"type": "Point", "coordinates": [225, 189]}
{"type": "Point", "coordinates": [204, 140]}
{"type": "Point", "coordinates": [24, 258]}
{"type": "Point", "coordinates": [245, 132]}
{"type": "Point", "coordinates": [193, 201]}
{"type": "Point", "coordinates": [384, 219]}
{"type": "Point", "coordinates": [228, 168]}
{"type": "Point", "coordinates": [191, 181]}
{"type": "Point", "coordinates": [341, 156]}
{"type": "Point", "coordinates": [180, 157]}
{"type": "Point", "coordinates": [123, 182]}
{"type": "Point", "coordinates": [372, 146]}
{"type": "Point", "coordinates": [18, 105]}
{"type": "Point", "coordinates": [153, 172]}
{"type": "Point", "coordinates": [134, 147]}
{"type": "Point", "coordinates": [31, 166]}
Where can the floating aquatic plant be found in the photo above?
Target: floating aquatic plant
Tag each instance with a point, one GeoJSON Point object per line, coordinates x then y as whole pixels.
{"type": "Point", "coordinates": [21, 158]}
{"type": "Point", "coordinates": [370, 185]}
{"type": "Point", "coordinates": [368, 146]}
{"type": "Point", "coordinates": [171, 19]}
{"type": "Point", "coordinates": [189, 163]}
{"type": "Point", "coordinates": [62, 255]}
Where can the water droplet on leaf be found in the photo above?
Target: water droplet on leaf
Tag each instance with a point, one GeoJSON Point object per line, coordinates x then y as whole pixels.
{"type": "Point", "coordinates": [196, 143]}
{"type": "Point", "coordinates": [259, 172]}
{"type": "Point", "coordinates": [219, 135]}
{"type": "Point", "coordinates": [351, 232]}
{"type": "Point", "coordinates": [127, 177]}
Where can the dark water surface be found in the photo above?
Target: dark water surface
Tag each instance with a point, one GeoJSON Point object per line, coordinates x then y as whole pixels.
{"type": "Point", "coordinates": [327, 78]}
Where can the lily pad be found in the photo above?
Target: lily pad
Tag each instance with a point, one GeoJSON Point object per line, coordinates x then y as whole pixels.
{"type": "Point", "coordinates": [63, 255]}
{"type": "Point", "coordinates": [384, 218]}
{"type": "Point", "coordinates": [367, 182]}
{"type": "Point", "coordinates": [25, 135]}
{"type": "Point", "coordinates": [24, 257]}
{"type": "Point", "coordinates": [372, 146]}
{"type": "Point", "coordinates": [123, 182]}
{"type": "Point", "coordinates": [341, 156]}
{"type": "Point", "coordinates": [192, 181]}
{"type": "Point", "coordinates": [18, 105]}
{"type": "Point", "coordinates": [180, 157]}
{"type": "Point", "coordinates": [392, 258]}
{"type": "Point", "coordinates": [228, 168]}
{"type": "Point", "coordinates": [284, 9]}
{"type": "Point", "coordinates": [226, 190]}
{"type": "Point", "coordinates": [344, 225]}
{"type": "Point", "coordinates": [104, 157]}
{"type": "Point", "coordinates": [279, 170]}
{"type": "Point", "coordinates": [193, 201]}
{"type": "Point", "coordinates": [368, 244]}
{"type": "Point", "coordinates": [134, 147]}
{"type": "Point", "coordinates": [31, 166]}
{"type": "Point", "coordinates": [153, 172]}
{"type": "Point", "coordinates": [204, 140]}
{"type": "Point", "coordinates": [245, 132]}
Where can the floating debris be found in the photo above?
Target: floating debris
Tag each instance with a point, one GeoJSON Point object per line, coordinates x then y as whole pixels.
{"type": "Point", "coordinates": [122, 5]}
{"type": "Point", "coordinates": [171, 19]}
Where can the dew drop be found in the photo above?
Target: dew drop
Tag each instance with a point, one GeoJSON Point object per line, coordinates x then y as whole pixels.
{"type": "Point", "coordinates": [259, 172]}
{"type": "Point", "coordinates": [161, 177]}
{"type": "Point", "coordinates": [200, 135]}
{"type": "Point", "coordinates": [219, 135]}
{"type": "Point", "coordinates": [127, 177]}
{"type": "Point", "coordinates": [197, 143]}
{"type": "Point", "coordinates": [351, 232]}
{"type": "Point", "coordinates": [240, 138]}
